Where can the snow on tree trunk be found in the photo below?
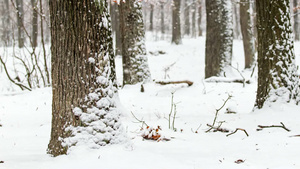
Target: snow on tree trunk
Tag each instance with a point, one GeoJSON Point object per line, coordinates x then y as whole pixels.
{"type": "Point", "coordinates": [135, 62]}
{"type": "Point", "coordinates": [219, 37]}
{"type": "Point", "coordinates": [84, 108]}
{"type": "Point", "coordinates": [176, 32]}
{"type": "Point", "coordinates": [277, 78]}
{"type": "Point", "coordinates": [247, 33]}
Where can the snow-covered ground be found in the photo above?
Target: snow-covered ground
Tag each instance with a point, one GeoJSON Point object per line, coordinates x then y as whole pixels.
{"type": "Point", "coordinates": [26, 121]}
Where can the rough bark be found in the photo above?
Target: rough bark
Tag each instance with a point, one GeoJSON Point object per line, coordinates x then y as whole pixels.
{"type": "Point", "coordinates": [20, 22]}
{"type": "Point", "coordinates": [134, 58]}
{"type": "Point", "coordinates": [247, 33]}
{"type": "Point", "coordinates": [219, 37]}
{"type": "Point", "coordinates": [176, 30]}
{"type": "Point", "coordinates": [83, 76]}
{"type": "Point", "coordinates": [34, 34]}
{"type": "Point", "coordinates": [277, 78]}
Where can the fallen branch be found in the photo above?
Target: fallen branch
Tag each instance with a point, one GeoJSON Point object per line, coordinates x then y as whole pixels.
{"type": "Point", "coordinates": [175, 82]}
{"type": "Point", "coordinates": [226, 80]}
{"type": "Point", "coordinates": [281, 126]}
{"type": "Point", "coordinates": [237, 130]}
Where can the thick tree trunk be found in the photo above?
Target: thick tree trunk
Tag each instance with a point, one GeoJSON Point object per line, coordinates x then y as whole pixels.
{"type": "Point", "coordinates": [176, 30]}
{"type": "Point", "coordinates": [219, 37]}
{"type": "Point", "coordinates": [276, 60]}
{"type": "Point", "coordinates": [115, 15]}
{"type": "Point", "coordinates": [296, 20]}
{"type": "Point", "coordinates": [20, 22]}
{"type": "Point", "coordinates": [187, 17]}
{"type": "Point", "coordinates": [247, 34]}
{"type": "Point", "coordinates": [83, 76]}
{"type": "Point", "coordinates": [236, 24]}
{"type": "Point", "coordinates": [134, 58]}
{"type": "Point", "coordinates": [199, 17]}
{"type": "Point", "coordinates": [34, 35]}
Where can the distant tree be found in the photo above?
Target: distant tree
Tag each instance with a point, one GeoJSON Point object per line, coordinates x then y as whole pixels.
{"type": "Point", "coordinates": [162, 17]}
{"type": "Point", "coordinates": [219, 37]}
{"type": "Point", "coordinates": [134, 58]}
{"type": "Point", "coordinates": [193, 11]}
{"type": "Point", "coordinates": [20, 22]}
{"type": "Point", "coordinates": [236, 19]}
{"type": "Point", "coordinates": [83, 76]}
{"type": "Point", "coordinates": [6, 32]}
{"type": "Point", "coordinates": [247, 32]}
{"type": "Point", "coordinates": [115, 20]}
{"type": "Point", "coordinates": [187, 9]}
{"type": "Point", "coordinates": [176, 29]}
{"type": "Point", "coordinates": [199, 17]}
{"type": "Point", "coordinates": [34, 35]}
{"type": "Point", "coordinates": [296, 19]}
{"type": "Point", "coordinates": [277, 79]}
{"type": "Point", "coordinates": [151, 16]}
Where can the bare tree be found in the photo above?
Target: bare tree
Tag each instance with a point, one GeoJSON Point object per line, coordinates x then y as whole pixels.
{"type": "Point", "coordinates": [176, 29]}
{"type": "Point", "coordinates": [199, 17]}
{"type": "Point", "coordinates": [296, 19]}
{"type": "Point", "coordinates": [20, 21]}
{"type": "Point", "coordinates": [34, 35]}
{"type": "Point", "coordinates": [247, 33]}
{"type": "Point", "coordinates": [187, 17]}
{"type": "Point", "coordinates": [134, 58]}
{"type": "Point", "coordinates": [219, 37]}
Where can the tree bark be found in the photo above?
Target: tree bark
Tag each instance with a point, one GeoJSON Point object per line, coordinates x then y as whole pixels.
{"type": "Point", "coordinates": [247, 34]}
{"type": "Point", "coordinates": [276, 60]}
{"type": "Point", "coordinates": [83, 76]}
{"type": "Point", "coordinates": [236, 24]}
{"type": "Point", "coordinates": [219, 37]}
{"type": "Point", "coordinates": [162, 18]}
{"type": "Point", "coordinates": [194, 19]}
{"type": "Point", "coordinates": [176, 30]}
{"type": "Point", "coordinates": [134, 58]}
{"type": "Point", "coordinates": [115, 18]}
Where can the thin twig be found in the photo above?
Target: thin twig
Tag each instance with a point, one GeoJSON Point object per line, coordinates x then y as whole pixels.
{"type": "Point", "coordinates": [140, 121]}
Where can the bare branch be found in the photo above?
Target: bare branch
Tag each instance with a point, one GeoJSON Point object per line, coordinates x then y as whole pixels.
{"type": "Point", "coordinates": [281, 126]}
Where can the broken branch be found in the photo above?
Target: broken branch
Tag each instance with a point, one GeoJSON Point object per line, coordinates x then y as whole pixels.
{"type": "Point", "coordinates": [281, 126]}
{"type": "Point", "coordinates": [237, 130]}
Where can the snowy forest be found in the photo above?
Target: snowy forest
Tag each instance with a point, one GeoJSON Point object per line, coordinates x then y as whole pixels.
{"type": "Point", "coordinates": [149, 84]}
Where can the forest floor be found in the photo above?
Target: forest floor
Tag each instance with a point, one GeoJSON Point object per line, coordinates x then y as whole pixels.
{"type": "Point", "coordinates": [25, 119]}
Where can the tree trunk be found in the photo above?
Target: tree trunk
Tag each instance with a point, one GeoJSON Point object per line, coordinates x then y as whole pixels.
{"type": "Point", "coordinates": [296, 20]}
{"type": "Point", "coordinates": [151, 17]}
{"type": "Point", "coordinates": [247, 34]}
{"type": "Point", "coordinates": [83, 76]}
{"type": "Point", "coordinates": [34, 35]}
{"type": "Point", "coordinates": [134, 58]}
{"type": "Point", "coordinates": [194, 19]}
{"type": "Point", "coordinates": [276, 60]}
{"type": "Point", "coordinates": [236, 25]}
{"type": "Point", "coordinates": [20, 22]}
{"type": "Point", "coordinates": [176, 32]}
{"type": "Point", "coordinates": [186, 17]}
{"type": "Point", "coordinates": [219, 37]}
{"type": "Point", "coordinates": [199, 17]}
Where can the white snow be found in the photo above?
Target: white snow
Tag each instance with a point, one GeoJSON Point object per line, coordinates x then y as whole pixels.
{"type": "Point", "coordinates": [26, 121]}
